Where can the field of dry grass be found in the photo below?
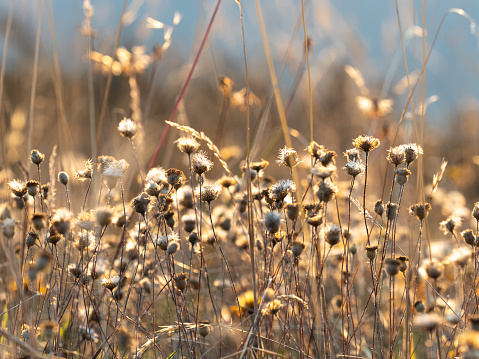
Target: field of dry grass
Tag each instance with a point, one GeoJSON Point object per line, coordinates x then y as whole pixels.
{"type": "Point", "coordinates": [273, 207]}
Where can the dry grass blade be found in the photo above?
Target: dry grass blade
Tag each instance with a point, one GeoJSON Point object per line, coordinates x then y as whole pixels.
{"type": "Point", "coordinates": [437, 178]}
{"type": "Point", "coordinates": [209, 143]}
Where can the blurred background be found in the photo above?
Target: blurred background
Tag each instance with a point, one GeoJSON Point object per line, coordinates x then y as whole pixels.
{"type": "Point", "coordinates": [364, 35]}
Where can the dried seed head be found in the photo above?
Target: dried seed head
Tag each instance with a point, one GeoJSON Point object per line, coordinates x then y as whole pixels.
{"type": "Point", "coordinates": [242, 100]}
{"type": "Point", "coordinates": [469, 237]}
{"type": "Point", "coordinates": [371, 252]}
{"type": "Point", "coordinates": [43, 260]}
{"type": "Point", "coordinates": [419, 306]}
{"type": "Point", "coordinates": [379, 208]}
{"type": "Point", "coordinates": [104, 216]}
{"type": "Point", "coordinates": [402, 262]}
{"type": "Point", "coordinates": [392, 266]}
{"type": "Point", "coordinates": [31, 239]}
{"type": "Point", "coordinates": [141, 202]}
{"type": "Point", "coordinates": [86, 173]}
{"type": "Point", "coordinates": [85, 220]}
{"type": "Point", "coordinates": [187, 145]}
{"type": "Point", "coordinates": [152, 189]}
{"type": "Point", "coordinates": [112, 170]}
{"type": "Point", "coordinates": [328, 158]}
{"type": "Point", "coordinates": [396, 155]}
{"type": "Point", "coordinates": [272, 221]}
{"type": "Point", "coordinates": [297, 248]}
{"type": "Point", "coordinates": [288, 157]}
{"type": "Point", "coordinates": [189, 222]}
{"type": "Point", "coordinates": [193, 239]}
{"type": "Point", "coordinates": [427, 322]}
{"type": "Point", "coordinates": [259, 165]}
{"type": "Point", "coordinates": [226, 86]}
{"type": "Point", "coordinates": [391, 211]}
{"type": "Point", "coordinates": [18, 188]}
{"type": "Point", "coordinates": [475, 211]}
{"type": "Point", "coordinates": [354, 168]}
{"type": "Point", "coordinates": [36, 157]}
{"type": "Point", "coordinates": [434, 269]}
{"type": "Point", "coordinates": [110, 283]}
{"type": "Point", "coordinates": [402, 175]}
{"type": "Point", "coordinates": [333, 235]}
{"type": "Point", "coordinates": [325, 191]}
{"type": "Point", "coordinates": [63, 178]}
{"type": "Point", "coordinates": [412, 151]}
{"type": "Point", "coordinates": [208, 193]}
{"type": "Point", "coordinates": [315, 150]}
{"type": "Point", "coordinates": [450, 224]}
{"type": "Point", "coordinates": [200, 163]}
{"type": "Point", "coordinates": [174, 176]}
{"type": "Point", "coordinates": [420, 210]}
{"type": "Point", "coordinates": [39, 220]}
{"type": "Point", "coordinates": [474, 320]}
{"type": "Point", "coordinates": [181, 281]}
{"type": "Point", "coordinates": [324, 172]}
{"type": "Point", "coordinates": [32, 188]}
{"type": "Point", "coordinates": [292, 211]}
{"type": "Point", "coordinates": [366, 143]}
{"type": "Point", "coordinates": [172, 247]}
{"type": "Point", "coordinates": [226, 181]}
{"type": "Point", "coordinates": [8, 227]}
{"type": "Point", "coordinates": [62, 220]}
{"type": "Point", "coordinates": [352, 155]}
{"type": "Point", "coordinates": [280, 190]}
{"type": "Point", "coordinates": [314, 220]}
{"type": "Point", "coordinates": [127, 128]}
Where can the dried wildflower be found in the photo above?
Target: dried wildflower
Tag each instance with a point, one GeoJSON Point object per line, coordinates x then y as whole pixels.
{"type": "Point", "coordinates": [315, 150]}
{"type": "Point", "coordinates": [226, 181]}
{"type": "Point", "coordinates": [288, 157]}
{"type": "Point", "coordinates": [32, 188]}
{"type": "Point", "coordinates": [74, 270]}
{"type": "Point", "coordinates": [450, 224]}
{"type": "Point", "coordinates": [325, 191]}
{"type": "Point", "coordinates": [475, 211]}
{"type": "Point", "coordinates": [141, 202]}
{"type": "Point", "coordinates": [187, 145]}
{"type": "Point", "coordinates": [208, 193]}
{"type": "Point", "coordinates": [411, 151]}
{"type": "Point", "coordinates": [312, 209]}
{"type": "Point", "coordinates": [189, 222]}
{"type": "Point", "coordinates": [226, 86]}
{"type": "Point", "coordinates": [354, 168]}
{"type": "Point", "coordinates": [112, 170]}
{"type": "Point", "coordinates": [420, 210]}
{"type": "Point", "coordinates": [469, 237]}
{"type": "Point", "coordinates": [86, 173]}
{"type": "Point", "coordinates": [419, 306]}
{"type": "Point", "coordinates": [54, 237]}
{"type": "Point", "coordinates": [127, 128]}
{"type": "Point", "coordinates": [200, 163]}
{"type": "Point", "coordinates": [172, 247]}
{"type": "Point", "coordinates": [297, 248]}
{"type": "Point", "coordinates": [428, 321]}
{"type": "Point", "coordinates": [193, 239]}
{"type": "Point", "coordinates": [174, 176]}
{"type": "Point", "coordinates": [104, 216]}
{"type": "Point", "coordinates": [239, 99]}
{"type": "Point", "coordinates": [366, 143]}
{"type": "Point", "coordinates": [272, 221]}
{"type": "Point", "coordinates": [36, 157]}
{"type": "Point", "coordinates": [314, 220]}
{"type": "Point", "coordinates": [292, 211]}
{"type": "Point", "coordinates": [18, 188]}
{"type": "Point", "coordinates": [45, 190]}
{"type": "Point", "coordinates": [402, 262]}
{"type": "Point", "coordinates": [43, 260]}
{"type": "Point", "coordinates": [434, 269]}
{"type": "Point", "coordinates": [63, 178]}
{"type": "Point", "coordinates": [391, 211]}
{"type": "Point", "coordinates": [328, 158]}
{"type": "Point", "coordinates": [396, 155]}
{"type": "Point", "coordinates": [392, 266]}
{"type": "Point", "coordinates": [259, 165]}
{"type": "Point", "coordinates": [371, 252]}
{"type": "Point", "coordinates": [39, 220]}
{"type": "Point", "coordinates": [31, 239]}
{"type": "Point", "coordinates": [352, 155]}
{"type": "Point", "coordinates": [402, 175]}
{"type": "Point", "coordinates": [84, 240]}
{"type": "Point", "coordinates": [323, 172]}
{"type": "Point", "coordinates": [273, 307]}
{"type": "Point", "coordinates": [280, 189]}
{"type": "Point", "coordinates": [152, 189]}
{"type": "Point", "coordinates": [157, 175]}
{"type": "Point", "coordinates": [333, 235]}
{"type": "Point", "coordinates": [110, 283]}
{"type": "Point", "coordinates": [374, 107]}
{"type": "Point", "coordinates": [181, 281]}
{"type": "Point", "coordinates": [61, 220]}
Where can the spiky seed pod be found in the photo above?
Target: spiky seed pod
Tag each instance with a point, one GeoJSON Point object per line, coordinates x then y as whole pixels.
{"type": "Point", "coordinates": [288, 157]}
{"type": "Point", "coordinates": [469, 237]}
{"type": "Point", "coordinates": [366, 143]}
{"type": "Point", "coordinates": [54, 236]}
{"type": "Point", "coordinates": [187, 145]}
{"type": "Point", "coordinates": [333, 235]}
{"type": "Point", "coordinates": [32, 188]}
{"type": "Point", "coordinates": [402, 262]}
{"type": "Point", "coordinates": [63, 178]}
{"type": "Point", "coordinates": [272, 221]}
{"type": "Point", "coordinates": [141, 202]}
{"type": "Point", "coordinates": [396, 155]}
{"type": "Point", "coordinates": [402, 175]}
{"type": "Point", "coordinates": [292, 211]}
{"type": "Point", "coordinates": [200, 163]}
{"type": "Point", "coordinates": [434, 269]}
{"type": "Point", "coordinates": [280, 190]}
{"type": "Point", "coordinates": [412, 152]}
{"type": "Point", "coordinates": [174, 176]}
{"type": "Point", "coordinates": [392, 266]}
{"type": "Point", "coordinates": [420, 210]}
{"type": "Point", "coordinates": [297, 248]}
{"type": "Point", "coordinates": [31, 239]}
{"type": "Point", "coordinates": [379, 208]}
{"type": "Point", "coordinates": [181, 281]}
{"type": "Point", "coordinates": [326, 191]}
{"type": "Point", "coordinates": [36, 157]}
{"type": "Point", "coordinates": [391, 211]}
{"type": "Point", "coordinates": [371, 252]}
{"type": "Point", "coordinates": [39, 220]}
